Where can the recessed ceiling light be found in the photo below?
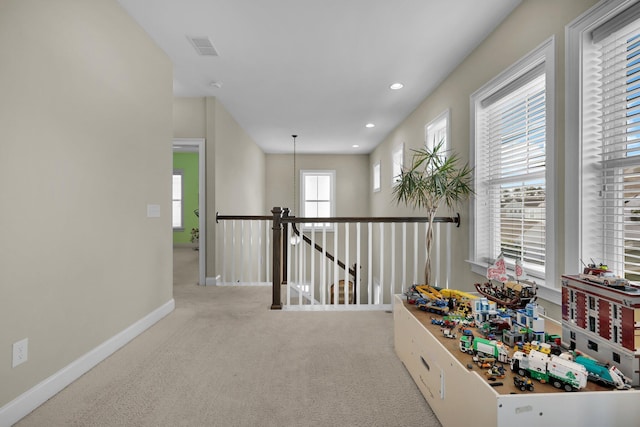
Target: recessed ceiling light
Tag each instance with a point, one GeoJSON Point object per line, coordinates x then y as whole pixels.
{"type": "Point", "coordinates": [369, 125]}
{"type": "Point", "coordinates": [355, 146]}
{"type": "Point", "coordinates": [396, 86]}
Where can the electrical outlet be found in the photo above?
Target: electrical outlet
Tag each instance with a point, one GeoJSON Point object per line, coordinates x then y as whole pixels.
{"type": "Point", "coordinates": [20, 352]}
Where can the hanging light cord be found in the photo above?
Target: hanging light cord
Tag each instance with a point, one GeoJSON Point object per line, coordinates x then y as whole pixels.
{"type": "Point", "coordinates": [293, 208]}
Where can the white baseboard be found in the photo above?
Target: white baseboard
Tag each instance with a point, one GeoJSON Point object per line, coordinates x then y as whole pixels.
{"type": "Point", "coordinates": [22, 405]}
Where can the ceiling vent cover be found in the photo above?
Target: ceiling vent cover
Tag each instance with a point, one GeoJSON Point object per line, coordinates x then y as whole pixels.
{"type": "Point", "coordinates": [203, 46]}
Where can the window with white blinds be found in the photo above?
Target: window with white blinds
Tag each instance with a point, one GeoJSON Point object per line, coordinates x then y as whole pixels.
{"type": "Point", "coordinates": [511, 164]}
{"type": "Point", "coordinates": [611, 144]}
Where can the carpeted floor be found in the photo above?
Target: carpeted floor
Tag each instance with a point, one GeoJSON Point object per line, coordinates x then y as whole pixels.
{"type": "Point", "coordinates": [222, 358]}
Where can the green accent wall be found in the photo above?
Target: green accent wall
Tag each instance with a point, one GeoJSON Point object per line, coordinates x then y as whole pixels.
{"type": "Point", "coordinates": [188, 162]}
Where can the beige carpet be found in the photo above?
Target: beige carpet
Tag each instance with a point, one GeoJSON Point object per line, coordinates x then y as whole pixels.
{"type": "Point", "coordinates": [222, 358]}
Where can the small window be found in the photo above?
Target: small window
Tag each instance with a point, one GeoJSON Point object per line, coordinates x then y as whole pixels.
{"type": "Point", "coordinates": [592, 345]}
{"type": "Point", "coordinates": [616, 357]}
{"type": "Point", "coordinates": [615, 333]}
{"type": "Point", "coordinates": [592, 324]}
{"type": "Point", "coordinates": [592, 303]}
{"type": "Point", "coordinates": [437, 131]}
{"type": "Point", "coordinates": [177, 209]}
{"type": "Point", "coordinates": [376, 177]}
{"type": "Point", "coordinates": [572, 335]}
{"type": "Point", "coordinates": [398, 164]}
{"type": "Point", "coordinates": [318, 196]}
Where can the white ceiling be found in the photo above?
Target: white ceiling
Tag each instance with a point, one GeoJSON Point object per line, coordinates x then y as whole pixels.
{"type": "Point", "coordinates": [320, 69]}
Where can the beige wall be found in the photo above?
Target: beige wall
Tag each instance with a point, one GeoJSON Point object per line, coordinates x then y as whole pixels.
{"type": "Point", "coordinates": [533, 22]}
{"type": "Point", "coordinates": [235, 165]}
{"type": "Point", "coordinates": [85, 123]}
{"type": "Point", "coordinates": [352, 181]}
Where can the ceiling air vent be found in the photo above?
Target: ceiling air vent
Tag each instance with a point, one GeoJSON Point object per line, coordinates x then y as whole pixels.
{"type": "Point", "coordinates": [203, 46]}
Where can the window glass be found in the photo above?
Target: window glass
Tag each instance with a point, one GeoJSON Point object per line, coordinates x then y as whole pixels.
{"type": "Point", "coordinates": [177, 190]}
{"type": "Point", "coordinates": [318, 196]}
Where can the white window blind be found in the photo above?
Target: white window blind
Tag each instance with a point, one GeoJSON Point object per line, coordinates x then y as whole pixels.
{"type": "Point", "coordinates": [510, 172]}
{"type": "Point", "coordinates": [611, 145]}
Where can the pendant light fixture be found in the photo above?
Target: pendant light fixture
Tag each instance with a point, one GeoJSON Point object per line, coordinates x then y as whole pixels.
{"type": "Point", "coordinates": [295, 239]}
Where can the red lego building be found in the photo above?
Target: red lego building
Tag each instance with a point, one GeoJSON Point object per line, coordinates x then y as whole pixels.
{"type": "Point", "coordinates": [603, 322]}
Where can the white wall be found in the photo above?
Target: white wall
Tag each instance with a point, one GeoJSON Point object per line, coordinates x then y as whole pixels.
{"type": "Point", "coordinates": [85, 129]}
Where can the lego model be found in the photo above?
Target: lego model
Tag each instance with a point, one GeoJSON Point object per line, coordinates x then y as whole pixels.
{"type": "Point", "coordinates": [556, 370]}
{"type": "Point", "coordinates": [484, 347]}
{"type": "Point", "coordinates": [523, 383]}
{"type": "Point", "coordinates": [605, 374]}
{"type": "Point", "coordinates": [603, 276]}
{"type": "Point", "coordinates": [507, 294]}
{"type": "Point", "coordinates": [603, 322]}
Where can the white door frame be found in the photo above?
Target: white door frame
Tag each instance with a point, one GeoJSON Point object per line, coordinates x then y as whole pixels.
{"type": "Point", "coordinates": [199, 143]}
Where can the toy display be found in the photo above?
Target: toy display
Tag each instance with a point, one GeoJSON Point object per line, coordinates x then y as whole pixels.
{"type": "Point", "coordinates": [488, 331]}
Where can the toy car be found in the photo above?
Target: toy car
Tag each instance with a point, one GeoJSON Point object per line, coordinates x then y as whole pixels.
{"type": "Point", "coordinates": [523, 383]}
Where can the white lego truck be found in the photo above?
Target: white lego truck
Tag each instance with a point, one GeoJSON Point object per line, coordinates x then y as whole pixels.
{"type": "Point", "coordinates": [556, 370]}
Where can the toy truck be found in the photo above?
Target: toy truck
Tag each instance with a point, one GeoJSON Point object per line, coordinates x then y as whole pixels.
{"type": "Point", "coordinates": [560, 372]}
{"type": "Point", "coordinates": [435, 306]}
{"type": "Point", "coordinates": [605, 374]}
{"type": "Point", "coordinates": [484, 347]}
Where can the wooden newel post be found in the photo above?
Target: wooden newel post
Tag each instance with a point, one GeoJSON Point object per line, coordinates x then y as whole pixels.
{"type": "Point", "coordinates": [276, 303]}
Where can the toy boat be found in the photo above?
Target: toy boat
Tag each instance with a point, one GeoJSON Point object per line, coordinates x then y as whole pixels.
{"type": "Point", "coordinates": [508, 294]}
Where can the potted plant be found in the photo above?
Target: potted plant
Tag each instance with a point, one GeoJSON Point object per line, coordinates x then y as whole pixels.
{"type": "Point", "coordinates": [433, 178]}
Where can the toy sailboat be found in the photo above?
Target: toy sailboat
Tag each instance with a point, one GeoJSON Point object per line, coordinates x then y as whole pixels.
{"type": "Point", "coordinates": [507, 294]}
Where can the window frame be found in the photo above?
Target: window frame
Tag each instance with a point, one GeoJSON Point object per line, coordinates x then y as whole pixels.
{"type": "Point", "coordinates": [548, 285]}
{"type": "Point", "coordinates": [575, 43]}
{"type": "Point", "coordinates": [376, 177]}
{"type": "Point", "coordinates": [179, 172]}
{"type": "Point", "coordinates": [443, 120]}
{"type": "Point", "coordinates": [332, 200]}
{"type": "Point", "coordinates": [397, 163]}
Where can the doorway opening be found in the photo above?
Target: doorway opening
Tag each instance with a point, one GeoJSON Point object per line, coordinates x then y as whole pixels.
{"type": "Point", "coordinates": [197, 145]}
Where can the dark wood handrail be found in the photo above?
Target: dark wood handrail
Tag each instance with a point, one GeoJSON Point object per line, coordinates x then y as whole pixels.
{"type": "Point", "coordinates": [343, 219]}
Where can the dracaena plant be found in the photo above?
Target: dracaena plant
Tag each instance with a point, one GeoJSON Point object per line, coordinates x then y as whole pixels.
{"type": "Point", "coordinates": [434, 178]}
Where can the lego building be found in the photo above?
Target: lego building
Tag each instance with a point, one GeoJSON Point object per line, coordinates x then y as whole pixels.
{"type": "Point", "coordinates": [603, 322]}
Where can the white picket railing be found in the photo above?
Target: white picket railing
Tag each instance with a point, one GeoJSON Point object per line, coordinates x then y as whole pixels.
{"type": "Point", "coordinates": [375, 257]}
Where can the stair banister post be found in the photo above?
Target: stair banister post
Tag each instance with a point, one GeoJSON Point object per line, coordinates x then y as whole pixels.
{"type": "Point", "coordinates": [276, 303]}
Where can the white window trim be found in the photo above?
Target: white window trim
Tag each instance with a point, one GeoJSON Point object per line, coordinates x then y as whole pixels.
{"type": "Point", "coordinates": [376, 177]}
{"type": "Point", "coordinates": [549, 286]}
{"type": "Point", "coordinates": [575, 34]}
{"type": "Point", "coordinates": [181, 226]}
{"type": "Point", "coordinates": [397, 163]}
{"type": "Point", "coordinates": [446, 117]}
{"type": "Point", "coordinates": [303, 173]}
